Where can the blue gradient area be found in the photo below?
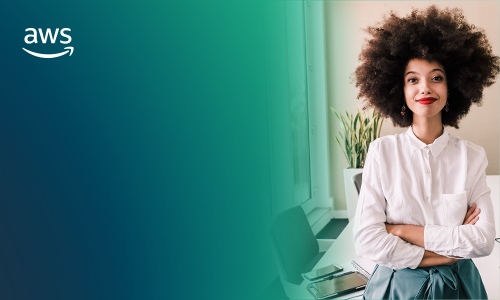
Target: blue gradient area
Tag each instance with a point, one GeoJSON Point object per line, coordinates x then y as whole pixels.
{"type": "Point", "coordinates": [138, 164]}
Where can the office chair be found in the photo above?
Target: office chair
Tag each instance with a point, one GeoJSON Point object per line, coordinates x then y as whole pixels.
{"type": "Point", "coordinates": [357, 179]}
{"type": "Point", "coordinates": [296, 248]}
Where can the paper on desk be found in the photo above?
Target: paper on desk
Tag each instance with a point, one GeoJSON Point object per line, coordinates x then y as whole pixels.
{"type": "Point", "coordinates": [367, 265]}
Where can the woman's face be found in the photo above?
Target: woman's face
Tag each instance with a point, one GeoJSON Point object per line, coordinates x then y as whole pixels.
{"type": "Point", "coordinates": [426, 88]}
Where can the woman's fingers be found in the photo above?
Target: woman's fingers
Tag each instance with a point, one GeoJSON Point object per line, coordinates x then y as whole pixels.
{"type": "Point", "coordinates": [474, 220]}
{"type": "Point", "coordinates": [471, 209]}
{"type": "Point", "coordinates": [473, 217]}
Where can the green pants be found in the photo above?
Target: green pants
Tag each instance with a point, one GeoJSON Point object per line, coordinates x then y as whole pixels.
{"type": "Point", "coordinates": [458, 281]}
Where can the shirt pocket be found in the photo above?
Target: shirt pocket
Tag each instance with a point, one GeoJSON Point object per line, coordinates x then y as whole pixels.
{"type": "Point", "coordinates": [454, 208]}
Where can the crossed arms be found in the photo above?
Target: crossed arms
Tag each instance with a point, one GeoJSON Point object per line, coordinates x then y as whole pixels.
{"type": "Point", "coordinates": [440, 241]}
{"type": "Point", "coordinates": [415, 234]}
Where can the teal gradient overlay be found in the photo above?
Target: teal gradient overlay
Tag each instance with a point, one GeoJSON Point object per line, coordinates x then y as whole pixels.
{"type": "Point", "coordinates": [138, 167]}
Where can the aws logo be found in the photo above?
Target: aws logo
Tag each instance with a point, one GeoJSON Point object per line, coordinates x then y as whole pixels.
{"type": "Point", "coordinates": [44, 37]}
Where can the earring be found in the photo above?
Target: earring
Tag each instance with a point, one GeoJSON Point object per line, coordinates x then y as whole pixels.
{"type": "Point", "coordinates": [447, 107]}
{"type": "Point", "coordinates": [403, 110]}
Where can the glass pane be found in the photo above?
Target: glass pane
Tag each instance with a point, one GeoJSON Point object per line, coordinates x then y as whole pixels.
{"type": "Point", "coordinates": [298, 106]}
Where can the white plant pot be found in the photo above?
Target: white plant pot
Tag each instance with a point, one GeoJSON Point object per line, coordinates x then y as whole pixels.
{"type": "Point", "coordinates": [351, 194]}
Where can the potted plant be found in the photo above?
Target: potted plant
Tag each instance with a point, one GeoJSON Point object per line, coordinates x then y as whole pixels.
{"type": "Point", "coordinates": [357, 132]}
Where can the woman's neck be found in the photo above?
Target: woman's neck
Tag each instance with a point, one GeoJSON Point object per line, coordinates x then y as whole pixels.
{"type": "Point", "coordinates": [427, 129]}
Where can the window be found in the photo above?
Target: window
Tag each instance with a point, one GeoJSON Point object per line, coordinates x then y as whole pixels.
{"type": "Point", "coordinates": [298, 108]}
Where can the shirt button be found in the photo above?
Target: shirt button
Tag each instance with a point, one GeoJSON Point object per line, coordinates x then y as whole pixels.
{"type": "Point", "coordinates": [427, 198]}
{"type": "Point", "coordinates": [427, 171]}
{"type": "Point", "coordinates": [426, 148]}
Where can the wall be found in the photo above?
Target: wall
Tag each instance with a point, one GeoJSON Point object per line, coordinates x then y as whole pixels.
{"type": "Point", "coordinates": [344, 21]}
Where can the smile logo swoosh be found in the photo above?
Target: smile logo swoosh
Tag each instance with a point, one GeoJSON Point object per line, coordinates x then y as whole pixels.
{"type": "Point", "coordinates": [50, 55]}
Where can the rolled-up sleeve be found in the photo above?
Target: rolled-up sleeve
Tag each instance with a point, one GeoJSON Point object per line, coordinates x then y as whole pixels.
{"type": "Point", "coordinates": [467, 241]}
{"type": "Point", "coordinates": [370, 235]}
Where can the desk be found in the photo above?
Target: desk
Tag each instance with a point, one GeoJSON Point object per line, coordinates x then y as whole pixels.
{"type": "Point", "coordinates": [489, 267]}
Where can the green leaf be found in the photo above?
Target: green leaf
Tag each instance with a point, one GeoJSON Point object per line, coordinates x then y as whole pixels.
{"type": "Point", "coordinates": [381, 122]}
{"type": "Point", "coordinates": [357, 131]}
{"type": "Point", "coordinates": [345, 154]}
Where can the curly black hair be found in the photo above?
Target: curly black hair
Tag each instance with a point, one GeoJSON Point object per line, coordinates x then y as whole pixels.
{"type": "Point", "coordinates": [440, 35]}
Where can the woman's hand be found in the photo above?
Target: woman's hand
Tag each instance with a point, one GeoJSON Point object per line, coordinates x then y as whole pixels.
{"type": "Point", "coordinates": [472, 215]}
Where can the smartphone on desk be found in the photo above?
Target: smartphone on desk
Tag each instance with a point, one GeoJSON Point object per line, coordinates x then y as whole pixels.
{"type": "Point", "coordinates": [322, 273]}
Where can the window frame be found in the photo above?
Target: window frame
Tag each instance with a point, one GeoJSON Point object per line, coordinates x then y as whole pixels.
{"type": "Point", "coordinates": [318, 110]}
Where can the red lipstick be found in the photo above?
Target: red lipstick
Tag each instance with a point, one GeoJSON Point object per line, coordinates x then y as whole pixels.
{"type": "Point", "coordinates": [427, 100]}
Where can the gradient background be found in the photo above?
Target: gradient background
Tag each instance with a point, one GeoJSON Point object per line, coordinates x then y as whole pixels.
{"type": "Point", "coordinates": [138, 167]}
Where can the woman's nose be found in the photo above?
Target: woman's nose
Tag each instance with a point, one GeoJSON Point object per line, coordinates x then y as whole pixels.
{"type": "Point", "coordinates": [424, 88]}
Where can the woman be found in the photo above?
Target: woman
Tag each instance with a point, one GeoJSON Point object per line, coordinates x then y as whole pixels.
{"type": "Point", "coordinates": [424, 209]}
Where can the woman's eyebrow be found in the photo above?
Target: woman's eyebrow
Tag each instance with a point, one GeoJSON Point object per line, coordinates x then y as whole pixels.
{"type": "Point", "coordinates": [412, 72]}
{"type": "Point", "coordinates": [409, 72]}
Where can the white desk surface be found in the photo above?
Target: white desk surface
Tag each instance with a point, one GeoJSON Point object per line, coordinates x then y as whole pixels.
{"type": "Point", "coordinates": [489, 267]}
{"type": "Point", "coordinates": [343, 250]}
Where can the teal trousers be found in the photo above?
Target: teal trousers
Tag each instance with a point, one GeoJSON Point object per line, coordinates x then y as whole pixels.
{"type": "Point", "coordinates": [458, 281]}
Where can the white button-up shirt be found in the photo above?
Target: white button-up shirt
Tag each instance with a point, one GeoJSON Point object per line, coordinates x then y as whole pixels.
{"type": "Point", "coordinates": [406, 181]}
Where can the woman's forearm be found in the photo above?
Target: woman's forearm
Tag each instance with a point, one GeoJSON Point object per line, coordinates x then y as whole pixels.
{"type": "Point", "coordinates": [432, 259]}
{"type": "Point", "coordinates": [411, 233]}
{"type": "Point", "coordinates": [415, 234]}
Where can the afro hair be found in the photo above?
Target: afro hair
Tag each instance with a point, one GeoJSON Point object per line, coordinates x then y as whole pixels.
{"type": "Point", "coordinates": [441, 35]}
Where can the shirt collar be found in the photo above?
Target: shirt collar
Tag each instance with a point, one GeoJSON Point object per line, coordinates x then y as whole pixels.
{"type": "Point", "coordinates": [436, 147]}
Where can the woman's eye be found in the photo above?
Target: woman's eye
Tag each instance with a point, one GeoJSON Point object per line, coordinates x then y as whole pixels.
{"type": "Point", "coordinates": [412, 80]}
{"type": "Point", "coordinates": [438, 78]}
